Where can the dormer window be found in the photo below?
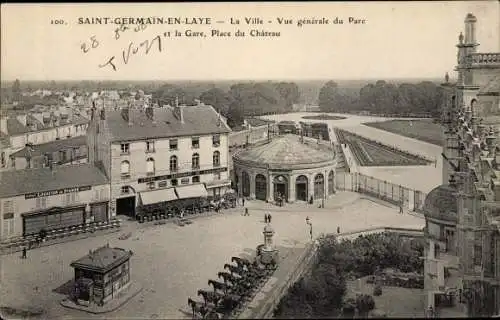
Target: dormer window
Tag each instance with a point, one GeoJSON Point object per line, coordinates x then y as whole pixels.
{"type": "Point", "coordinates": [195, 143]}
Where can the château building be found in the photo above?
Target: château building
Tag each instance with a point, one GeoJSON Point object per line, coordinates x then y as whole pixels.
{"type": "Point", "coordinates": [462, 257]}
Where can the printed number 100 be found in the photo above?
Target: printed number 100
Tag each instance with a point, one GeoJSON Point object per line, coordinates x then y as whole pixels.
{"type": "Point", "coordinates": [58, 21]}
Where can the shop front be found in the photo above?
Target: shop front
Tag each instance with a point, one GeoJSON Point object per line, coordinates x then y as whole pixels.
{"type": "Point", "coordinates": [156, 203]}
{"type": "Point", "coordinates": [52, 219]}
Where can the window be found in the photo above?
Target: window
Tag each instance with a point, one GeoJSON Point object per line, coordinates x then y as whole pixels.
{"type": "Point", "coordinates": [185, 181]}
{"type": "Point", "coordinates": [173, 182]}
{"type": "Point", "coordinates": [67, 200]}
{"type": "Point", "coordinates": [217, 176]}
{"type": "Point", "coordinates": [125, 169]}
{"type": "Point", "coordinates": [150, 166]}
{"type": "Point", "coordinates": [478, 255]}
{"type": "Point", "coordinates": [216, 140]}
{"type": "Point", "coordinates": [151, 185]}
{"type": "Point", "coordinates": [196, 179]}
{"type": "Point", "coordinates": [173, 163]}
{"type": "Point", "coordinates": [173, 144]}
{"type": "Point", "coordinates": [62, 156]}
{"type": "Point", "coordinates": [8, 218]}
{"type": "Point", "coordinates": [195, 160]}
{"type": "Point", "coordinates": [150, 146]}
{"type": "Point", "coordinates": [41, 203]}
{"type": "Point", "coordinates": [2, 159]}
{"type": "Point", "coordinates": [162, 184]}
{"type": "Point", "coordinates": [195, 143]}
{"type": "Point", "coordinates": [125, 189]}
{"type": "Point", "coordinates": [125, 148]}
{"type": "Point", "coordinates": [216, 158]}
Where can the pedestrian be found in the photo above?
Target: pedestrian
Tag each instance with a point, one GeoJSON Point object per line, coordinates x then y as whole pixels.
{"type": "Point", "coordinates": [246, 212]}
{"type": "Point", "coordinates": [307, 220]}
{"type": "Point", "coordinates": [269, 218]}
{"type": "Point", "coordinates": [265, 218]}
{"type": "Point", "coordinates": [311, 230]}
{"type": "Point", "coordinates": [243, 201]}
{"type": "Point", "coordinates": [338, 230]}
{"type": "Point", "coordinates": [401, 209]}
{"type": "Point", "coordinates": [24, 253]}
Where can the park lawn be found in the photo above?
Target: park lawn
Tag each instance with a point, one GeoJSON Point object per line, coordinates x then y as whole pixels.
{"type": "Point", "coordinates": [395, 302]}
{"type": "Point", "coordinates": [423, 129]}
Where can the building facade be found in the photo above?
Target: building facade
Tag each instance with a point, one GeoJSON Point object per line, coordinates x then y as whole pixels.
{"type": "Point", "coordinates": [51, 199]}
{"type": "Point", "coordinates": [173, 149]}
{"type": "Point", "coordinates": [471, 118]}
{"type": "Point", "coordinates": [45, 127]}
{"type": "Point", "coordinates": [292, 167]}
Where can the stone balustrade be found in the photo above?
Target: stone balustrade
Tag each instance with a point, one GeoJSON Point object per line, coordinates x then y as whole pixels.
{"type": "Point", "coordinates": [484, 58]}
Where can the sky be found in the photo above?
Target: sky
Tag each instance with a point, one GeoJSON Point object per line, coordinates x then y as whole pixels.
{"type": "Point", "coordinates": [397, 40]}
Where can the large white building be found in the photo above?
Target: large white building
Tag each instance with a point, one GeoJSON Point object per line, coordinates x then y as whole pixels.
{"type": "Point", "coordinates": [155, 155]}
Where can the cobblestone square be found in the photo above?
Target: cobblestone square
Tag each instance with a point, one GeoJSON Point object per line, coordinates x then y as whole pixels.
{"type": "Point", "coordinates": [171, 263]}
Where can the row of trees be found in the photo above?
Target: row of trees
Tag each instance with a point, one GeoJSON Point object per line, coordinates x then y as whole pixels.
{"type": "Point", "coordinates": [241, 100]}
{"type": "Point", "coordinates": [384, 98]}
{"type": "Point", "coordinates": [321, 294]}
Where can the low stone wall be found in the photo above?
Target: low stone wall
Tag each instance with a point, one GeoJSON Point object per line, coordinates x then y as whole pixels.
{"type": "Point", "coordinates": [302, 265]}
{"type": "Point", "coordinates": [255, 135]}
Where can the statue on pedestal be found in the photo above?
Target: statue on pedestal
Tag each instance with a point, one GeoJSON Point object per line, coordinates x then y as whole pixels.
{"type": "Point", "coordinates": [268, 253]}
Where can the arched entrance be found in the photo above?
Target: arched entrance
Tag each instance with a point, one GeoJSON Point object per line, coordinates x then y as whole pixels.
{"type": "Point", "coordinates": [281, 187]}
{"type": "Point", "coordinates": [260, 187]}
{"type": "Point", "coordinates": [301, 184]}
{"type": "Point", "coordinates": [245, 184]}
{"type": "Point", "coordinates": [331, 187]}
{"type": "Point", "coordinates": [319, 186]}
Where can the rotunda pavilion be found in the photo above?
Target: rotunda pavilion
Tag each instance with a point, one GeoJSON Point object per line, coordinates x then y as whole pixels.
{"type": "Point", "coordinates": [294, 166]}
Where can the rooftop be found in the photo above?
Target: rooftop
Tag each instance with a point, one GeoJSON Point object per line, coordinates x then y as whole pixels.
{"type": "Point", "coordinates": [102, 259]}
{"type": "Point", "coordinates": [198, 120]}
{"type": "Point", "coordinates": [15, 127]}
{"type": "Point", "coordinates": [441, 204]}
{"type": "Point", "coordinates": [51, 147]}
{"type": "Point", "coordinates": [288, 150]}
{"type": "Point", "coordinates": [19, 182]}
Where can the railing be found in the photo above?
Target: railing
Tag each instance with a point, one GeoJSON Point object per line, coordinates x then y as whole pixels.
{"type": "Point", "coordinates": [33, 240]}
{"type": "Point", "coordinates": [484, 58]}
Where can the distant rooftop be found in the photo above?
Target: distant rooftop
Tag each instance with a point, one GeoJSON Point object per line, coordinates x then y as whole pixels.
{"type": "Point", "coordinates": [50, 147]}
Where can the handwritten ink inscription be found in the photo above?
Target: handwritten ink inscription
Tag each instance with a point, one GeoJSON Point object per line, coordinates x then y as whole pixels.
{"type": "Point", "coordinates": [145, 47]}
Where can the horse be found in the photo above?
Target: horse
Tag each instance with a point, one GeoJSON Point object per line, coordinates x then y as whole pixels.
{"type": "Point", "coordinates": [234, 269]}
{"type": "Point", "coordinates": [198, 307]}
{"type": "Point", "coordinates": [228, 277]}
{"type": "Point", "coordinates": [219, 285]}
{"type": "Point", "coordinates": [210, 296]}
{"type": "Point", "coordinates": [241, 262]}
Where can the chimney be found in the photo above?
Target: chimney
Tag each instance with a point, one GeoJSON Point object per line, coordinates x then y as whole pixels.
{"type": "Point", "coordinates": [22, 118]}
{"type": "Point", "coordinates": [3, 125]}
{"type": "Point", "coordinates": [179, 112]}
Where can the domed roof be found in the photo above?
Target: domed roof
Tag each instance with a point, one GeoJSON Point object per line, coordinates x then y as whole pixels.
{"type": "Point", "coordinates": [441, 203]}
{"type": "Point", "coordinates": [288, 150]}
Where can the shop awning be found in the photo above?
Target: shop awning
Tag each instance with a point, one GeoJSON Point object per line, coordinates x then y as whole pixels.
{"type": "Point", "coordinates": [218, 183]}
{"type": "Point", "coordinates": [191, 191]}
{"type": "Point", "coordinates": [155, 196]}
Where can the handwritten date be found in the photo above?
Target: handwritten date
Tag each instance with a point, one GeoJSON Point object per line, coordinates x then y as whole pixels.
{"type": "Point", "coordinates": [144, 47]}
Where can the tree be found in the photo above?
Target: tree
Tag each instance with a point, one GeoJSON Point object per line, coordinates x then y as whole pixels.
{"type": "Point", "coordinates": [328, 95]}
{"type": "Point", "coordinates": [217, 98]}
